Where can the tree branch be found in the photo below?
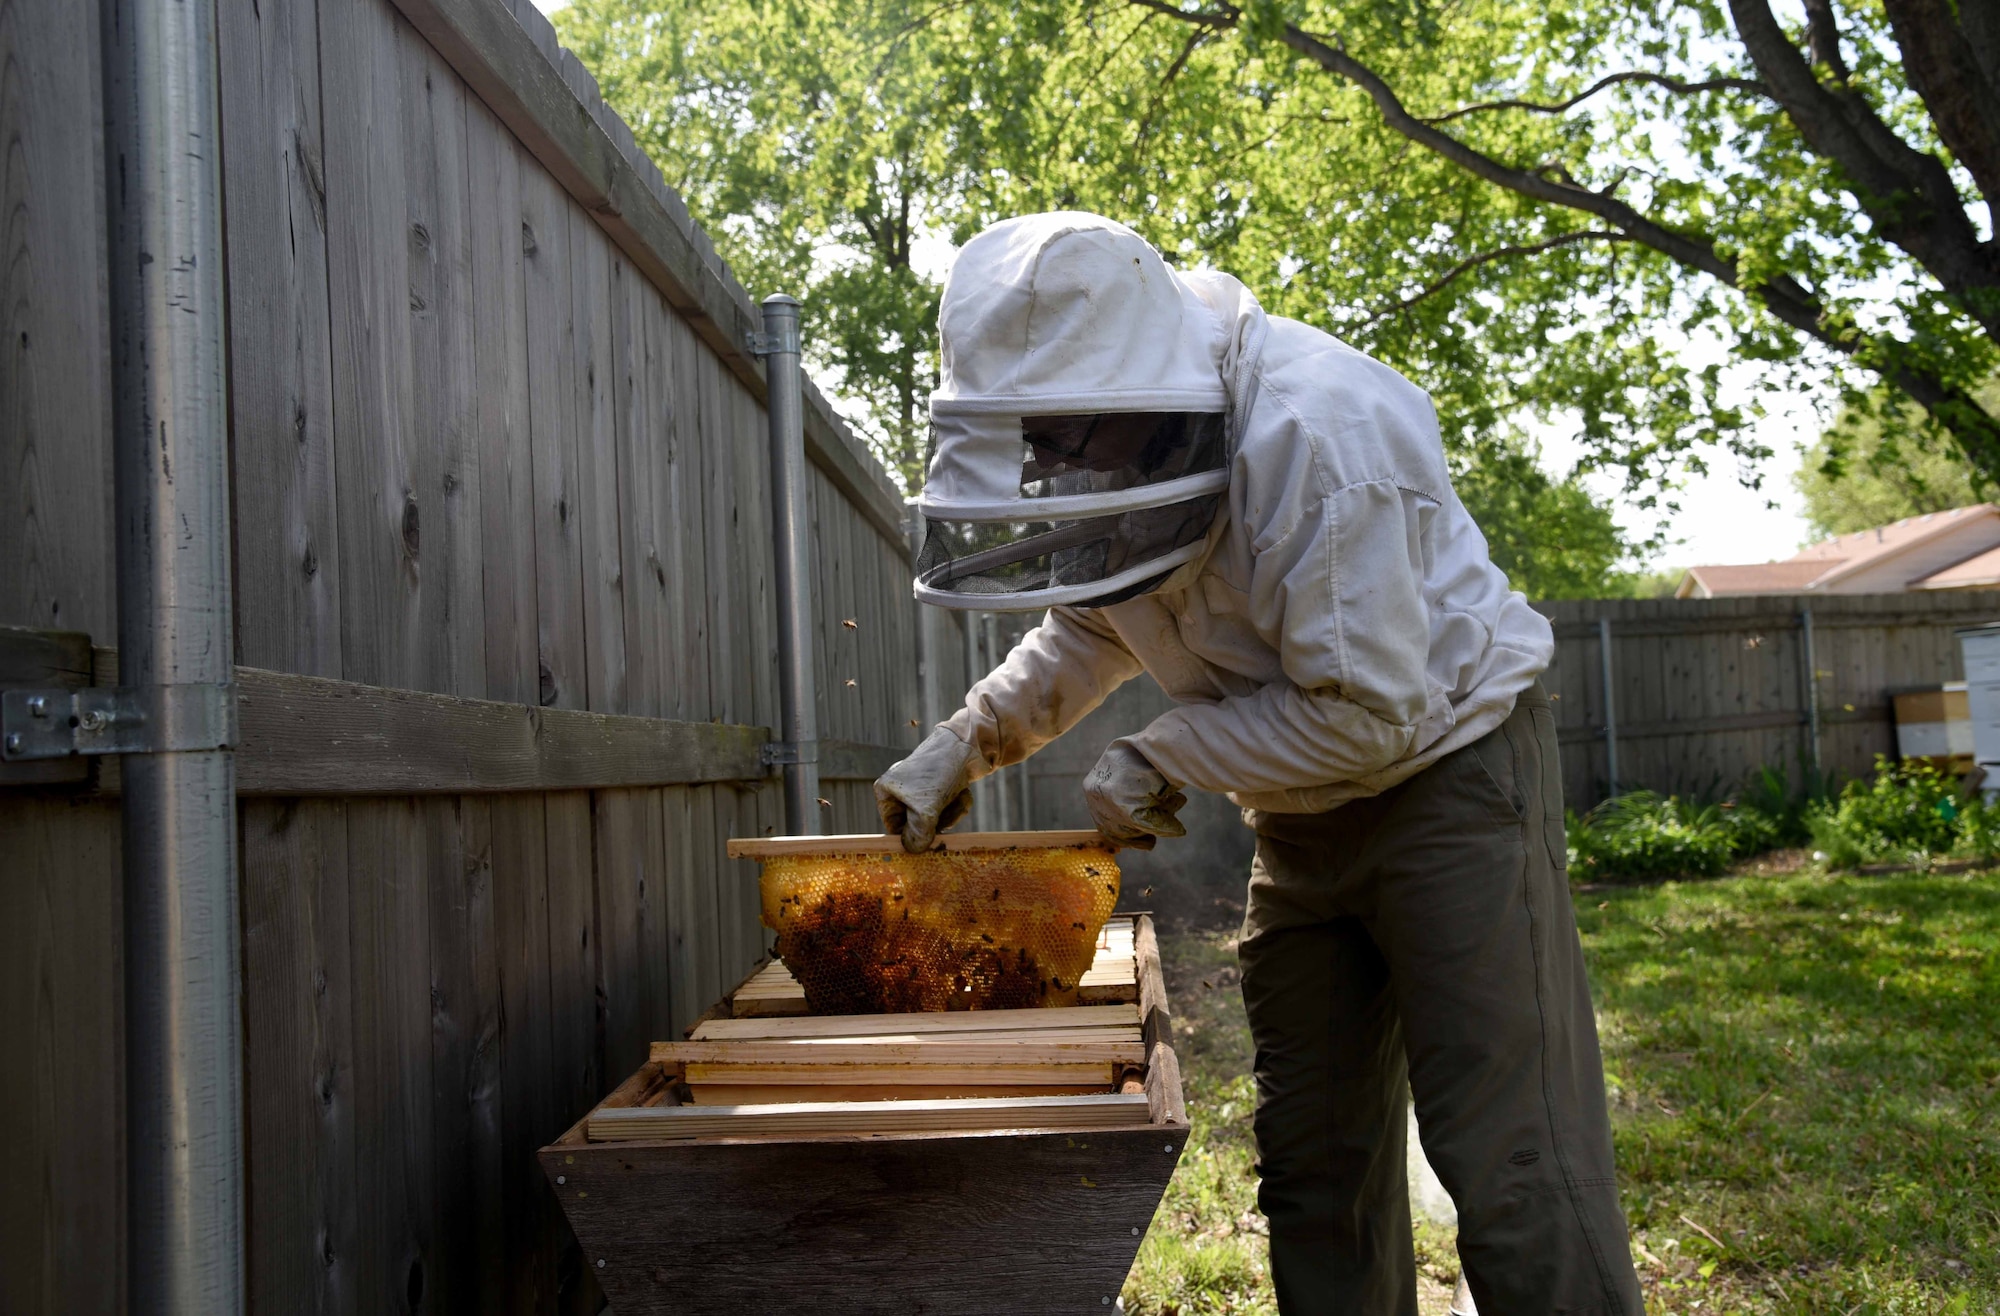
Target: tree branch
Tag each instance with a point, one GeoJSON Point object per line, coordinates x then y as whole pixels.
{"type": "Point", "coordinates": [1823, 38]}
{"type": "Point", "coordinates": [1907, 193]}
{"type": "Point", "coordinates": [1977, 432]}
{"type": "Point", "coordinates": [1498, 253]}
{"type": "Point", "coordinates": [1941, 62]}
{"type": "Point", "coordinates": [1655, 79]}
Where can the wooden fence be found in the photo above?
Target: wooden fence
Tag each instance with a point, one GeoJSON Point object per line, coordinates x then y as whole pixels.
{"type": "Point", "coordinates": [503, 574]}
{"type": "Point", "coordinates": [1706, 692]}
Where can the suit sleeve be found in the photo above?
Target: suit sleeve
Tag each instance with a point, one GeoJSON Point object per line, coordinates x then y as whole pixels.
{"type": "Point", "coordinates": [1059, 671]}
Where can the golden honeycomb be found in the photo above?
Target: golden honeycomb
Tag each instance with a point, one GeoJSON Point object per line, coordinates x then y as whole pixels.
{"type": "Point", "coordinates": [945, 930]}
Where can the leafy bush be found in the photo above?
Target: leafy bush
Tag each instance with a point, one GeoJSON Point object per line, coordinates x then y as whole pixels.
{"type": "Point", "coordinates": [1644, 834]}
{"type": "Point", "coordinates": [1907, 814]}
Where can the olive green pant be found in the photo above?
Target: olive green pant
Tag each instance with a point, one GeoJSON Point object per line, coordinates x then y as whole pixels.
{"type": "Point", "coordinates": [1421, 942]}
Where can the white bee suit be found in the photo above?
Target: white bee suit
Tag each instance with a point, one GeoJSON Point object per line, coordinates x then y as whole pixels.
{"type": "Point", "coordinates": [1340, 626]}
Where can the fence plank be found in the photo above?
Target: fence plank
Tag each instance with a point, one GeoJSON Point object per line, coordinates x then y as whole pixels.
{"type": "Point", "coordinates": [551, 401]}
{"type": "Point", "coordinates": [287, 560]}
{"type": "Point", "coordinates": [466, 1101]}
{"type": "Point", "coordinates": [298, 1094]}
{"type": "Point", "coordinates": [500, 410]}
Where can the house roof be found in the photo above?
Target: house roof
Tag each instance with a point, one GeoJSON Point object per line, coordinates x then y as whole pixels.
{"type": "Point", "coordinates": [1974, 572]}
{"type": "Point", "coordinates": [1848, 554]}
{"type": "Point", "coordinates": [1752, 578]}
{"type": "Point", "coordinates": [1830, 561]}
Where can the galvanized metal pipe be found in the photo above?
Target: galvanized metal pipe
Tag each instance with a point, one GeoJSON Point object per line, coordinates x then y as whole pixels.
{"type": "Point", "coordinates": [1610, 675]}
{"type": "Point", "coordinates": [930, 699]}
{"type": "Point", "coordinates": [183, 1035]}
{"type": "Point", "coordinates": [798, 713]}
{"type": "Point", "coordinates": [1811, 694]}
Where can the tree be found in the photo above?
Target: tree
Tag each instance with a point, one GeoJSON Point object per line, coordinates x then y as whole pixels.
{"type": "Point", "coordinates": [1507, 199]}
{"type": "Point", "coordinates": [1869, 468]}
{"type": "Point", "coordinates": [819, 142]}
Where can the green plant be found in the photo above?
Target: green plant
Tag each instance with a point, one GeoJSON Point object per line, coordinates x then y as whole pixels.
{"type": "Point", "coordinates": [1645, 834]}
{"type": "Point", "coordinates": [1907, 814]}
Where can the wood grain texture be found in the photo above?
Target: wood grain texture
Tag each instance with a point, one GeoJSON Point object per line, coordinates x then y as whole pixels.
{"type": "Point", "coordinates": [1034, 1222]}
{"type": "Point", "coordinates": [299, 1095]}
{"type": "Point", "coordinates": [310, 736]}
{"type": "Point", "coordinates": [659, 1123]}
{"type": "Point", "coordinates": [287, 559]}
{"type": "Point", "coordinates": [62, 1200]}
{"type": "Point", "coordinates": [525, 87]}
{"type": "Point", "coordinates": [55, 395]}
{"type": "Point", "coordinates": [956, 1021]}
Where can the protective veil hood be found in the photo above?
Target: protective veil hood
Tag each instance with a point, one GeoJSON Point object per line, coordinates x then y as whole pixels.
{"type": "Point", "coordinates": [1083, 421]}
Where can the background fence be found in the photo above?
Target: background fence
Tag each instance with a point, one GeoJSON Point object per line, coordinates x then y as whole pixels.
{"type": "Point", "coordinates": [1705, 692]}
{"type": "Point", "coordinates": [503, 576]}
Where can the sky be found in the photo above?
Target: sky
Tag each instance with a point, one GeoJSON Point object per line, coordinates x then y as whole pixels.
{"type": "Point", "coordinates": [1719, 519]}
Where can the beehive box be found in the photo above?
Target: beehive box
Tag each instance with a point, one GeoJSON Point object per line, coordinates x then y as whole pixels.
{"type": "Point", "coordinates": [1016, 1204]}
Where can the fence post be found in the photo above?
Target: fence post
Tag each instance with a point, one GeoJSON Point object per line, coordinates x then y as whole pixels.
{"type": "Point", "coordinates": [1610, 703]}
{"type": "Point", "coordinates": [1811, 692]}
{"type": "Point", "coordinates": [797, 751]}
{"type": "Point", "coordinates": [170, 436]}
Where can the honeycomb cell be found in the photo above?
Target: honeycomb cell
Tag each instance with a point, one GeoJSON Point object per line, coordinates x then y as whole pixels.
{"type": "Point", "coordinates": [946, 930]}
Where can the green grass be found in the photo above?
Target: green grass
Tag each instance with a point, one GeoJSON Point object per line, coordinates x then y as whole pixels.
{"type": "Point", "coordinates": [1804, 1073]}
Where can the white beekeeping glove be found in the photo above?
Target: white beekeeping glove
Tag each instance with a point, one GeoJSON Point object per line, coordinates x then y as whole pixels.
{"type": "Point", "coordinates": [928, 791]}
{"type": "Point", "coordinates": [1130, 800]}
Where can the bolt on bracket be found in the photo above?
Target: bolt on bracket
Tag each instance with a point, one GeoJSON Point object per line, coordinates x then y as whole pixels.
{"type": "Point", "coordinates": [784, 753]}
{"type": "Point", "coordinates": [149, 719]}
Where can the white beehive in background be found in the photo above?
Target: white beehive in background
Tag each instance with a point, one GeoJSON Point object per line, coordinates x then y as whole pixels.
{"type": "Point", "coordinates": [1979, 646]}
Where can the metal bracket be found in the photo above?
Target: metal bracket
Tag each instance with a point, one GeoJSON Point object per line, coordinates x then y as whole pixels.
{"type": "Point", "coordinates": [785, 753]}
{"type": "Point", "coordinates": [148, 719]}
{"type": "Point", "coordinates": [760, 344]}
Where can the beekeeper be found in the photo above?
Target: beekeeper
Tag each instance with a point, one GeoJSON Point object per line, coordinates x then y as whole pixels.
{"type": "Point", "coordinates": [1262, 518]}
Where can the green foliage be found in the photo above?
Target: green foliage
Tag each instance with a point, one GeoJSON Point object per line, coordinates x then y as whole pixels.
{"type": "Point", "coordinates": [1908, 813]}
{"type": "Point", "coordinates": [821, 144]}
{"type": "Point", "coordinates": [1550, 536]}
{"type": "Point", "coordinates": [1878, 463]}
{"type": "Point", "coordinates": [1803, 1067]}
{"type": "Point", "coordinates": [1804, 1096]}
{"type": "Point", "coordinates": [1644, 834]}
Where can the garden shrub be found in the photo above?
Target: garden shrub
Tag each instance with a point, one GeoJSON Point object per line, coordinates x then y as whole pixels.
{"type": "Point", "coordinates": [1909, 813]}
{"type": "Point", "coordinates": [1644, 834]}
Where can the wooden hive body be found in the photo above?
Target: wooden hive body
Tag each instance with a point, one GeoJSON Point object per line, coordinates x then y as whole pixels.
{"type": "Point", "coordinates": [1009, 1220]}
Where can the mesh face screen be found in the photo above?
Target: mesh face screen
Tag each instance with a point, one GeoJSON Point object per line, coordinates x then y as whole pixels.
{"type": "Point", "coordinates": [1002, 558]}
{"type": "Point", "coordinates": [946, 930]}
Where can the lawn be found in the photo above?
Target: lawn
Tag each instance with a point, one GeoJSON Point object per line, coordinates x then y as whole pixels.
{"type": "Point", "coordinates": [1804, 1073]}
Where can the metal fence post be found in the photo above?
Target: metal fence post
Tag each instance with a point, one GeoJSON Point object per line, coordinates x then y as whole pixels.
{"type": "Point", "coordinates": [797, 750]}
{"type": "Point", "coordinates": [170, 422]}
{"type": "Point", "coordinates": [1610, 703]}
{"type": "Point", "coordinates": [1811, 692]}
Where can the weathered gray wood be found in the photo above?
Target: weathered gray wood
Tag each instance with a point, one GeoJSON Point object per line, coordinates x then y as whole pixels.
{"type": "Point", "coordinates": [299, 1097]}
{"type": "Point", "coordinates": [382, 497]}
{"type": "Point", "coordinates": [526, 89]}
{"type": "Point", "coordinates": [575, 1048]}
{"type": "Point", "coordinates": [392, 848]}
{"type": "Point", "coordinates": [500, 419]}
{"type": "Point", "coordinates": [1031, 1222]}
{"type": "Point", "coordinates": [845, 760]}
{"type": "Point", "coordinates": [55, 455]}
{"type": "Point", "coordinates": [468, 1274]}
{"type": "Point", "coordinates": [591, 375]}
{"type": "Point", "coordinates": [287, 562]}
{"type": "Point", "coordinates": [551, 403]}
{"type": "Point", "coordinates": [311, 736]}
{"type": "Point", "coordinates": [529, 1109]}
{"type": "Point", "coordinates": [62, 1192]}
{"type": "Point", "coordinates": [446, 549]}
